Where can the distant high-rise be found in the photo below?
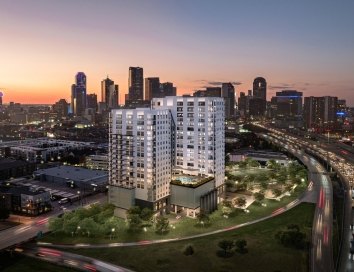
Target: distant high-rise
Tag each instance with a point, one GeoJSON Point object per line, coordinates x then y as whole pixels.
{"type": "Point", "coordinates": [320, 113]}
{"type": "Point", "coordinates": [260, 88]}
{"type": "Point", "coordinates": [78, 94]}
{"type": "Point", "coordinates": [1, 95]}
{"type": "Point", "coordinates": [136, 83]}
{"type": "Point", "coordinates": [228, 93]}
{"type": "Point", "coordinates": [287, 103]}
{"type": "Point", "coordinates": [152, 88]}
{"type": "Point", "coordinates": [61, 108]}
{"type": "Point", "coordinates": [168, 89]}
{"type": "Point", "coordinates": [109, 93]}
{"type": "Point", "coordinates": [92, 101]}
{"type": "Point", "coordinates": [208, 92]}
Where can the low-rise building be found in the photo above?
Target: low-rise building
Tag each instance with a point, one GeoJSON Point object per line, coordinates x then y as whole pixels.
{"type": "Point", "coordinates": [88, 181]}
{"type": "Point", "coordinates": [10, 168]}
{"type": "Point", "coordinates": [97, 162]}
{"type": "Point", "coordinates": [25, 200]}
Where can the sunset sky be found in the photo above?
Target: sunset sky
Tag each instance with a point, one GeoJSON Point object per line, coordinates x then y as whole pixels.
{"type": "Point", "coordinates": [303, 45]}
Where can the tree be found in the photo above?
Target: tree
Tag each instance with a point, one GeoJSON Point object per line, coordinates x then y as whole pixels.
{"type": "Point", "coordinates": [226, 246]}
{"type": "Point", "coordinates": [203, 219]}
{"type": "Point", "coordinates": [146, 214]}
{"type": "Point", "coordinates": [71, 225]}
{"type": "Point", "coordinates": [227, 203]}
{"type": "Point", "coordinates": [262, 177]}
{"type": "Point", "coordinates": [264, 185]}
{"type": "Point", "coordinates": [82, 213]}
{"type": "Point", "coordinates": [4, 214]}
{"type": "Point", "coordinates": [259, 196]}
{"type": "Point", "coordinates": [134, 210]}
{"type": "Point", "coordinates": [56, 224]}
{"type": "Point", "coordinates": [89, 226]}
{"type": "Point", "coordinates": [161, 224]}
{"type": "Point", "coordinates": [241, 245]}
{"type": "Point", "coordinates": [253, 163]}
{"type": "Point", "coordinates": [239, 201]}
{"type": "Point", "coordinates": [188, 250]}
{"type": "Point", "coordinates": [271, 164]}
{"type": "Point", "coordinates": [242, 164]}
{"type": "Point", "coordinates": [134, 222]}
{"type": "Point", "coordinates": [226, 210]}
{"type": "Point", "coordinates": [292, 237]}
{"type": "Point", "coordinates": [276, 192]}
{"type": "Point", "coordinates": [111, 223]}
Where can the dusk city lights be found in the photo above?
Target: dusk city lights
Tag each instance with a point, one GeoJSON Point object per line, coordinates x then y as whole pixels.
{"type": "Point", "coordinates": [177, 135]}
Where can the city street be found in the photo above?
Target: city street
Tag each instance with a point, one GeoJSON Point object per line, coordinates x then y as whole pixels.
{"type": "Point", "coordinates": [30, 227]}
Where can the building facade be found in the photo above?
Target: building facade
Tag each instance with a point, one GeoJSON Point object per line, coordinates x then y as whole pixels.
{"type": "Point", "coordinates": [149, 146]}
{"type": "Point", "coordinates": [109, 93]}
{"type": "Point", "coordinates": [152, 88]}
{"type": "Point", "coordinates": [136, 83]}
{"type": "Point", "coordinates": [228, 93]}
{"type": "Point", "coordinates": [140, 159]}
{"type": "Point", "coordinates": [78, 94]}
{"type": "Point", "coordinates": [320, 113]}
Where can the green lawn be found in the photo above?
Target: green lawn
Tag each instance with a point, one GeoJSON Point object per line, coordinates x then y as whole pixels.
{"type": "Point", "coordinates": [21, 263]}
{"type": "Point", "coordinates": [183, 227]}
{"type": "Point", "coordinates": [265, 253]}
{"type": "Point", "coordinates": [247, 171]}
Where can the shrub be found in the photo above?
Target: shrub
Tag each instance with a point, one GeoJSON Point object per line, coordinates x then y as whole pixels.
{"type": "Point", "coordinates": [188, 250]}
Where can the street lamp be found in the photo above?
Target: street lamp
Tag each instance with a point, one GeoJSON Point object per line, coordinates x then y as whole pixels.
{"type": "Point", "coordinates": [112, 233]}
{"type": "Point", "coordinates": [78, 229]}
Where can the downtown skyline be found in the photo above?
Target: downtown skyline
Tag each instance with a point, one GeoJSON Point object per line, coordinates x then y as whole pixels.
{"type": "Point", "coordinates": [192, 44]}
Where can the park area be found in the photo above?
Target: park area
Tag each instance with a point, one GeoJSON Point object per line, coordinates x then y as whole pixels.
{"type": "Point", "coordinates": [250, 196]}
{"type": "Point", "coordinates": [258, 247]}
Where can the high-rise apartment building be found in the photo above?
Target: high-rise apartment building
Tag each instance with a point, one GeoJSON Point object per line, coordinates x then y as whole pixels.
{"type": "Point", "coordinates": [320, 113]}
{"type": "Point", "coordinates": [78, 94]}
{"type": "Point", "coordinates": [140, 151]}
{"type": "Point", "coordinates": [109, 93]}
{"type": "Point", "coordinates": [170, 156]}
{"type": "Point", "coordinates": [136, 84]}
{"type": "Point", "coordinates": [228, 93]}
{"type": "Point", "coordinates": [152, 88]}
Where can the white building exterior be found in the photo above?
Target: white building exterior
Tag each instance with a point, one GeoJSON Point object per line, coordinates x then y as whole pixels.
{"type": "Point", "coordinates": [178, 135]}
{"type": "Point", "coordinates": [200, 136]}
{"type": "Point", "coordinates": [140, 158]}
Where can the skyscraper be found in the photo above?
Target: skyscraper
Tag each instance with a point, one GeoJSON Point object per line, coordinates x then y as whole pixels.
{"type": "Point", "coordinates": [320, 113]}
{"type": "Point", "coordinates": [92, 101]}
{"type": "Point", "coordinates": [288, 103]}
{"type": "Point", "coordinates": [228, 93]}
{"type": "Point", "coordinates": [168, 89]}
{"type": "Point", "coordinates": [78, 94]}
{"type": "Point", "coordinates": [178, 138]}
{"type": "Point", "coordinates": [152, 88]}
{"type": "Point", "coordinates": [260, 88]}
{"type": "Point", "coordinates": [136, 83]}
{"type": "Point", "coordinates": [109, 93]}
{"type": "Point", "coordinates": [61, 108]}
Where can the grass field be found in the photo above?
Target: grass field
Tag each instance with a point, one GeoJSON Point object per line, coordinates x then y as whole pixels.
{"type": "Point", "coordinates": [184, 227]}
{"type": "Point", "coordinates": [20, 263]}
{"type": "Point", "coordinates": [264, 252]}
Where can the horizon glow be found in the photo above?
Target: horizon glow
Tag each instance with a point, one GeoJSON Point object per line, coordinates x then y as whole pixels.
{"type": "Point", "coordinates": [298, 45]}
